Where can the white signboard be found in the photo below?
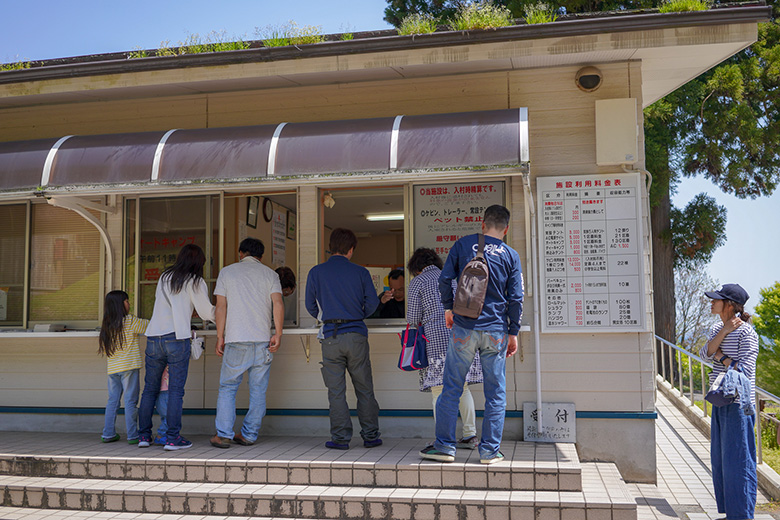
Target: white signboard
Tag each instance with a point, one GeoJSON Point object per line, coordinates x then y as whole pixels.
{"type": "Point", "coordinates": [443, 213]}
{"type": "Point", "coordinates": [279, 237]}
{"type": "Point", "coordinates": [559, 423]}
{"type": "Point", "coordinates": [590, 248]}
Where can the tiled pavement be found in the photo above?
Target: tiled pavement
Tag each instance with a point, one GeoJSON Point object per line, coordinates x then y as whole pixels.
{"type": "Point", "coordinates": [683, 489]}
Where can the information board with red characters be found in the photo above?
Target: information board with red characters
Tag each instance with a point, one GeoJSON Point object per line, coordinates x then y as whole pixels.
{"type": "Point", "coordinates": [443, 213]}
{"type": "Point", "coordinates": [591, 250]}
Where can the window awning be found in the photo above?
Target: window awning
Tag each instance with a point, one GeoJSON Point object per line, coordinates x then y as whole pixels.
{"type": "Point", "coordinates": [403, 143]}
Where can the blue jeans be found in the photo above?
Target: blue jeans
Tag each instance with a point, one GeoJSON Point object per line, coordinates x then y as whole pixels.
{"type": "Point", "coordinates": [162, 408]}
{"type": "Point", "coordinates": [122, 383]}
{"type": "Point", "coordinates": [463, 346]}
{"type": "Point", "coordinates": [733, 457]}
{"type": "Point", "coordinates": [247, 356]}
{"type": "Point", "coordinates": [161, 351]}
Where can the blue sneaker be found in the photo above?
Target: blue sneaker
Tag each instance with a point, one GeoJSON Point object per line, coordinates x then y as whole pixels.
{"type": "Point", "coordinates": [431, 453]}
{"type": "Point", "coordinates": [179, 443]}
{"type": "Point", "coordinates": [373, 443]}
{"type": "Point", "coordinates": [337, 445]}
{"type": "Point", "coordinates": [144, 441]}
{"type": "Point", "coordinates": [160, 440]}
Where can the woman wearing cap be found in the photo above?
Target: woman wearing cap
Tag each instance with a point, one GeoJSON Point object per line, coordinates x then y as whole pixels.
{"type": "Point", "coordinates": [733, 342]}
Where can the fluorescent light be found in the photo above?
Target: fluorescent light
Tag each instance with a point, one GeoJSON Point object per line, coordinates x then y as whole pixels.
{"type": "Point", "coordinates": [385, 216]}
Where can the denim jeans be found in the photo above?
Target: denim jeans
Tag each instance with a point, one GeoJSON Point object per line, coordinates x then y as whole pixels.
{"type": "Point", "coordinates": [122, 383]}
{"type": "Point", "coordinates": [733, 457]}
{"type": "Point", "coordinates": [349, 352]}
{"type": "Point", "coordinates": [255, 359]}
{"type": "Point", "coordinates": [162, 351]}
{"type": "Point", "coordinates": [463, 346]}
{"type": "Point", "coordinates": [162, 408]}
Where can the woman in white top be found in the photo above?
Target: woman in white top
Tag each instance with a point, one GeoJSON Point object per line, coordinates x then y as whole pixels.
{"type": "Point", "coordinates": [180, 290]}
{"type": "Point", "coordinates": [732, 342]}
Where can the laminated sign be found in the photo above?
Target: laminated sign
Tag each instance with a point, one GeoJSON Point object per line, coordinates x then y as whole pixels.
{"type": "Point", "coordinates": [590, 249]}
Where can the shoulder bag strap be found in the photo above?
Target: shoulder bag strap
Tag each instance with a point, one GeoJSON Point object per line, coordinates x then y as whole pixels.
{"type": "Point", "coordinates": [481, 250]}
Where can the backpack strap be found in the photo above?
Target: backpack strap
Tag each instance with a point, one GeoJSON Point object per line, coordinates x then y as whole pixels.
{"type": "Point", "coordinates": [481, 250]}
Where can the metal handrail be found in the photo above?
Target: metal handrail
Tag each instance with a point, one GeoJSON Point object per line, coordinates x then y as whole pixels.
{"type": "Point", "coordinates": [760, 392]}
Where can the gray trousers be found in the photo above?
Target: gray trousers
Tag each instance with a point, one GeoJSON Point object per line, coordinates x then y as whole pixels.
{"type": "Point", "coordinates": [349, 352]}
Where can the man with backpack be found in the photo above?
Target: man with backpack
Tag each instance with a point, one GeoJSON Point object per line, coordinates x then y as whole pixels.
{"type": "Point", "coordinates": [492, 333]}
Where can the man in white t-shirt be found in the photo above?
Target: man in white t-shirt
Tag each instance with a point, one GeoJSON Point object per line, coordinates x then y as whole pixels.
{"type": "Point", "coordinates": [249, 298]}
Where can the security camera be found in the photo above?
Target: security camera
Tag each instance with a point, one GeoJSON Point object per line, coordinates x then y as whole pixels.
{"type": "Point", "coordinates": [588, 79]}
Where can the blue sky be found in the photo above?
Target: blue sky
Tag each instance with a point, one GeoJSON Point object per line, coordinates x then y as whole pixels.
{"type": "Point", "coordinates": [45, 29]}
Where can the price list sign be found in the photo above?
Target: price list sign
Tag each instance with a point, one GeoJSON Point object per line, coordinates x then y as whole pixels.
{"type": "Point", "coordinates": [443, 213]}
{"type": "Point", "coordinates": [591, 253]}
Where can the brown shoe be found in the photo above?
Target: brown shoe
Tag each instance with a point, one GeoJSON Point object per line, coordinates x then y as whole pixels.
{"type": "Point", "coordinates": [220, 442]}
{"type": "Point", "coordinates": [239, 439]}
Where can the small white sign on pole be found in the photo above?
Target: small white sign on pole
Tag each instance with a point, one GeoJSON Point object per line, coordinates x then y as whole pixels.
{"type": "Point", "coordinates": [559, 422]}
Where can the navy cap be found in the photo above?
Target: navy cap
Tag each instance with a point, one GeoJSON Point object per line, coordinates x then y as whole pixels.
{"type": "Point", "coordinates": [729, 291]}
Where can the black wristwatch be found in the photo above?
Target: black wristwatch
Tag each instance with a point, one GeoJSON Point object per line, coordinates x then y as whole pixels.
{"type": "Point", "coordinates": [724, 358]}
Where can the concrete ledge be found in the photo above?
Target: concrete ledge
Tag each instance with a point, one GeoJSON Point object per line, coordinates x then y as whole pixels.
{"type": "Point", "coordinates": [768, 479]}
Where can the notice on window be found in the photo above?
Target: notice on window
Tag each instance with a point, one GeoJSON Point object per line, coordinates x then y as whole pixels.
{"type": "Point", "coordinates": [279, 237]}
{"type": "Point", "coordinates": [590, 246]}
{"type": "Point", "coordinates": [443, 213]}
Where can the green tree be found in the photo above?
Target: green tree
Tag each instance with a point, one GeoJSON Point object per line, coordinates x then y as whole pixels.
{"type": "Point", "coordinates": [767, 323]}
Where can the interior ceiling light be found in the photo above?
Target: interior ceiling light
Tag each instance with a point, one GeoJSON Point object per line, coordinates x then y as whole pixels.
{"type": "Point", "coordinates": [384, 216]}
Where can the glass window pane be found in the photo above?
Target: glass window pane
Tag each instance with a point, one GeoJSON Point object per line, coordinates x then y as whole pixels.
{"type": "Point", "coordinates": [64, 267]}
{"type": "Point", "coordinates": [12, 264]}
{"type": "Point", "coordinates": [166, 226]}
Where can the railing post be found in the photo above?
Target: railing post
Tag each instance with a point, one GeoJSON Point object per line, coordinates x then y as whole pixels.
{"type": "Point", "coordinates": [671, 366]}
{"type": "Point", "coordinates": [679, 371]}
{"type": "Point", "coordinates": [703, 390]}
{"type": "Point", "coordinates": [690, 378]}
{"type": "Point", "coordinates": [662, 346]}
{"type": "Point", "coordinates": [759, 444]}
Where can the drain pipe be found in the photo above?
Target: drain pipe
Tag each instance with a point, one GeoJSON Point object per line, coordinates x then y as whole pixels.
{"type": "Point", "coordinates": [535, 283]}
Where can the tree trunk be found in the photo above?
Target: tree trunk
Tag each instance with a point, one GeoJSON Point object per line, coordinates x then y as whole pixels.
{"type": "Point", "coordinates": [663, 273]}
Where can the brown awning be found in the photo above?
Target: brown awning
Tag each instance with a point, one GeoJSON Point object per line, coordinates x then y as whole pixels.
{"type": "Point", "coordinates": [406, 143]}
{"type": "Point", "coordinates": [21, 163]}
{"type": "Point", "coordinates": [104, 159]}
{"type": "Point", "coordinates": [216, 153]}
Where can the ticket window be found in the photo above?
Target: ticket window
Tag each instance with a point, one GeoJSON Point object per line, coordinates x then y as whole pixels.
{"type": "Point", "coordinates": [376, 216]}
{"type": "Point", "coordinates": [271, 218]}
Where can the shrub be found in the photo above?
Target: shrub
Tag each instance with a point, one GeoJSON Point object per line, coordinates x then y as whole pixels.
{"type": "Point", "coordinates": [678, 6]}
{"type": "Point", "coordinates": [480, 15]}
{"type": "Point", "coordinates": [539, 13]}
{"type": "Point", "coordinates": [417, 23]}
{"type": "Point", "coordinates": [290, 34]}
{"type": "Point", "coordinates": [16, 65]}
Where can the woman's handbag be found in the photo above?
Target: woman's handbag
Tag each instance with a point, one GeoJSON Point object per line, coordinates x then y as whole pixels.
{"type": "Point", "coordinates": [717, 395]}
{"type": "Point", "coordinates": [196, 346]}
{"type": "Point", "coordinates": [413, 349]}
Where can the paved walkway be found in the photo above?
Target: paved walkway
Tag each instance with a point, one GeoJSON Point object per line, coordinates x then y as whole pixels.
{"type": "Point", "coordinates": [684, 486]}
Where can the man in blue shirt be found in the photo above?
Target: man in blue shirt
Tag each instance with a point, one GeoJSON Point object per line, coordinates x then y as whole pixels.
{"type": "Point", "coordinates": [341, 295]}
{"type": "Point", "coordinates": [493, 334]}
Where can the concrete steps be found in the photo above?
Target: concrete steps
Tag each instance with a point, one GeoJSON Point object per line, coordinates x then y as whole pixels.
{"type": "Point", "coordinates": [299, 478]}
{"type": "Point", "coordinates": [530, 468]}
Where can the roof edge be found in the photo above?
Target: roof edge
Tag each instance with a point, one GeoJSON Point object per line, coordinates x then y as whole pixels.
{"type": "Point", "coordinates": [118, 63]}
